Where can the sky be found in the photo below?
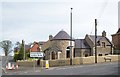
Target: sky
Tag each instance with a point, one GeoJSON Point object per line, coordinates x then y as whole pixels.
{"type": "Point", "coordinates": [35, 20]}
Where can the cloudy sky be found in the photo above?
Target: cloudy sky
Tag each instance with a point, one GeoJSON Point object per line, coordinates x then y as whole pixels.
{"type": "Point", "coordinates": [35, 20]}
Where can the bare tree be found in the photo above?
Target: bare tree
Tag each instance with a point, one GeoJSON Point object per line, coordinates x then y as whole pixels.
{"type": "Point", "coordinates": [6, 45]}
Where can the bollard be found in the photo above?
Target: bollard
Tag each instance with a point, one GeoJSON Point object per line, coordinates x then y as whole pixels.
{"type": "Point", "coordinates": [13, 67]}
{"type": "Point", "coordinates": [9, 65]}
{"type": "Point", "coordinates": [6, 66]}
{"type": "Point", "coordinates": [47, 64]}
{"type": "Point", "coordinates": [16, 66]}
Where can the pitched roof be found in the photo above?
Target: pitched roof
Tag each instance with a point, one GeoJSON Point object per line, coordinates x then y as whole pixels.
{"type": "Point", "coordinates": [81, 43]}
{"type": "Point", "coordinates": [98, 37]}
{"type": "Point", "coordinates": [27, 47]}
{"type": "Point", "coordinates": [117, 33]}
{"type": "Point", "coordinates": [118, 30]}
{"type": "Point", "coordinates": [42, 42]}
{"type": "Point", "coordinates": [62, 35]}
{"type": "Point", "coordinates": [92, 37]}
{"type": "Point", "coordinates": [35, 47]}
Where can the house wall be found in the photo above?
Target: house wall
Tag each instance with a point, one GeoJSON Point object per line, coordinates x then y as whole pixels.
{"type": "Point", "coordinates": [60, 44]}
{"type": "Point", "coordinates": [100, 49]}
{"type": "Point", "coordinates": [116, 41]}
{"type": "Point", "coordinates": [103, 51]}
{"type": "Point", "coordinates": [35, 47]}
{"type": "Point", "coordinates": [81, 52]}
{"type": "Point", "coordinates": [90, 43]}
{"type": "Point", "coordinates": [46, 45]}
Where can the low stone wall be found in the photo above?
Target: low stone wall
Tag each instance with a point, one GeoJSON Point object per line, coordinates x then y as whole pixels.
{"type": "Point", "coordinates": [61, 62]}
{"type": "Point", "coordinates": [114, 57]}
{"type": "Point", "coordinates": [27, 63]}
{"type": "Point", "coordinates": [76, 61]}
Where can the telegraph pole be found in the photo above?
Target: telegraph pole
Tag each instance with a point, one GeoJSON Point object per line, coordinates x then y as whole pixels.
{"type": "Point", "coordinates": [95, 40]}
{"type": "Point", "coordinates": [71, 37]}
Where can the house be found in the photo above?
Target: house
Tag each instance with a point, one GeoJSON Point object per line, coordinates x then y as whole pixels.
{"type": "Point", "coordinates": [104, 46]}
{"type": "Point", "coordinates": [17, 49]}
{"type": "Point", "coordinates": [35, 47]}
{"type": "Point", "coordinates": [81, 49]}
{"type": "Point", "coordinates": [116, 40]}
{"type": "Point", "coordinates": [57, 47]}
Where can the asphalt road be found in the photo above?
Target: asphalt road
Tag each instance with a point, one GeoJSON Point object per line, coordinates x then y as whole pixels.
{"type": "Point", "coordinates": [108, 68]}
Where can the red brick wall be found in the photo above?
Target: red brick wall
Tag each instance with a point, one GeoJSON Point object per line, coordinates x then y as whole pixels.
{"type": "Point", "coordinates": [116, 40]}
{"type": "Point", "coordinates": [35, 48]}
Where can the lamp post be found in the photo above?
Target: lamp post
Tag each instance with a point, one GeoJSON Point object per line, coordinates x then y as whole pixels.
{"type": "Point", "coordinates": [71, 37]}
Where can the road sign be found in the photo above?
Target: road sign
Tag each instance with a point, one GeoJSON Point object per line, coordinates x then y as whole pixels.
{"type": "Point", "coordinates": [36, 54]}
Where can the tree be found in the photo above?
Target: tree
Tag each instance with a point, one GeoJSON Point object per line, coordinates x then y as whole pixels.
{"type": "Point", "coordinates": [6, 45]}
{"type": "Point", "coordinates": [21, 52]}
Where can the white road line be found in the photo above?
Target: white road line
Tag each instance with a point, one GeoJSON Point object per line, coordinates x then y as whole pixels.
{"type": "Point", "coordinates": [25, 72]}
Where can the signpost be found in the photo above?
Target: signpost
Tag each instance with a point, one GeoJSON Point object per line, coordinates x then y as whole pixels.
{"type": "Point", "coordinates": [36, 55]}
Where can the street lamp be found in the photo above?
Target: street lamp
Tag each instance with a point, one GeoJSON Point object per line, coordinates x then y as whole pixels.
{"type": "Point", "coordinates": [71, 37]}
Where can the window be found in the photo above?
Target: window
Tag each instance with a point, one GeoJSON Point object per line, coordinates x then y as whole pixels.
{"type": "Point", "coordinates": [100, 54]}
{"type": "Point", "coordinates": [68, 52]}
{"type": "Point", "coordinates": [103, 44]}
{"type": "Point", "coordinates": [86, 55]}
{"type": "Point", "coordinates": [53, 55]}
{"type": "Point", "coordinates": [106, 54]}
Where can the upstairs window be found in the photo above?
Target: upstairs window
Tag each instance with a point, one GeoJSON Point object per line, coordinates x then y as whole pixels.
{"type": "Point", "coordinates": [103, 44]}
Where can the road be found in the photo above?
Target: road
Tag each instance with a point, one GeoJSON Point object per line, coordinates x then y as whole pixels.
{"type": "Point", "coordinates": [108, 68]}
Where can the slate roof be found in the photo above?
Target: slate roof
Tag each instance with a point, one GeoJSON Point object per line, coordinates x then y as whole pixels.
{"type": "Point", "coordinates": [81, 43]}
{"type": "Point", "coordinates": [98, 37]}
{"type": "Point", "coordinates": [62, 35]}
{"type": "Point", "coordinates": [53, 49]}
{"type": "Point", "coordinates": [92, 37]}
{"type": "Point", "coordinates": [42, 42]}
{"type": "Point", "coordinates": [117, 33]}
{"type": "Point", "coordinates": [27, 47]}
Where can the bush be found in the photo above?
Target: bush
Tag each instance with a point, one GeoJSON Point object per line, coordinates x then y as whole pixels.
{"type": "Point", "coordinates": [116, 52]}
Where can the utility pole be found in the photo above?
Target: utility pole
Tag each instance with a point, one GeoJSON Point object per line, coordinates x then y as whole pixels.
{"type": "Point", "coordinates": [95, 40]}
{"type": "Point", "coordinates": [71, 37]}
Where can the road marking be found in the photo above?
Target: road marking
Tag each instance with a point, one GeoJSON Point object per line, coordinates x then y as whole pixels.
{"type": "Point", "coordinates": [25, 72]}
{"type": "Point", "coordinates": [37, 70]}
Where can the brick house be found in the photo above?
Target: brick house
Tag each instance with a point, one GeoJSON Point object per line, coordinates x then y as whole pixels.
{"type": "Point", "coordinates": [35, 47]}
{"type": "Point", "coordinates": [116, 40]}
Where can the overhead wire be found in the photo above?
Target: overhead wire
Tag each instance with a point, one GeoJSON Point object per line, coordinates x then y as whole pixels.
{"type": "Point", "coordinates": [100, 13]}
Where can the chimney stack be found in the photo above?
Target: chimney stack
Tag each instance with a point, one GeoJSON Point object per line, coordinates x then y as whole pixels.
{"type": "Point", "coordinates": [104, 34]}
{"type": "Point", "coordinates": [50, 37]}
